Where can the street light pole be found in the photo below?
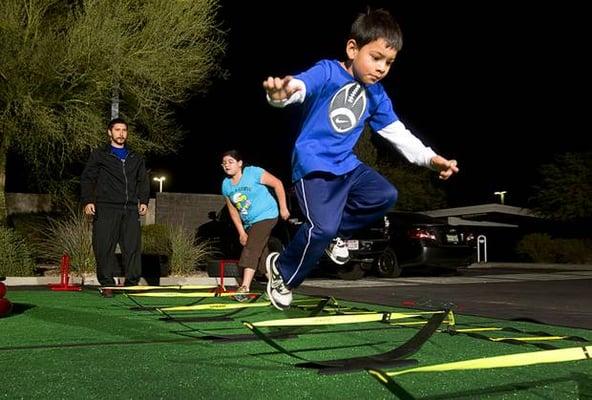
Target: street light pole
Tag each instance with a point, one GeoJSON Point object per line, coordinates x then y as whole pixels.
{"type": "Point", "coordinates": [501, 194]}
{"type": "Point", "coordinates": [159, 179]}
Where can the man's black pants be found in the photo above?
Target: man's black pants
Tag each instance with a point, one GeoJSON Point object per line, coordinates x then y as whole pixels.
{"type": "Point", "coordinates": [113, 225]}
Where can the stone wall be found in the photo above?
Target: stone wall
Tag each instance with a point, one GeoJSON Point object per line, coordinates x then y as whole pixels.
{"type": "Point", "coordinates": [187, 209]}
{"type": "Point", "coordinates": [25, 203]}
{"type": "Point", "coordinates": [19, 203]}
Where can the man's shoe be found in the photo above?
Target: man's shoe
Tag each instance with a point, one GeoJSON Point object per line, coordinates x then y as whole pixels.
{"type": "Point", "coordinates": [278, 293]}
{"type": "Point", "coordinates": [337, 251]}
{"type": "Point", "coordinates": [106, 293]}
{"type": "Point", "coordinates": [241, 297]}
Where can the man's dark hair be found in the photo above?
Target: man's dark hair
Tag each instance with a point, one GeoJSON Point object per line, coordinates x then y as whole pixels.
{"type": "Point", "coordinates": [376, 24]}
{"type": "Point", "coordinates": [116, 121]}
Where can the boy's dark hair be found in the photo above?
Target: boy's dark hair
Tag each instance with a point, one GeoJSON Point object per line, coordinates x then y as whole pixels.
{"type": "Point", "coordinates": [234, 154]}
{"type": "Point", "coordinates": [376, 24]}
{"type": "Point", "coordinates": [116, 121]}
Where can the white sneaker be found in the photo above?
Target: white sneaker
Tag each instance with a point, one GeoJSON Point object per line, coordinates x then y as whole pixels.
{"type": "Point", "coordinates": [278, 293]}
{"type": "Point", "coordinates": [239, 296]}
{"type": "Point", "coordinates": [337, 251]}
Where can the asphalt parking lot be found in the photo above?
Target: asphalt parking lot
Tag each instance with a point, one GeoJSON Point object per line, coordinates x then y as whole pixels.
{"type": "Point", "coordinates": [551, 294]}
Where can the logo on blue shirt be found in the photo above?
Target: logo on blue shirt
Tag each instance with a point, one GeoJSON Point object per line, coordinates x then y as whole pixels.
{"type": "Point", "coordinates": [347, 107]}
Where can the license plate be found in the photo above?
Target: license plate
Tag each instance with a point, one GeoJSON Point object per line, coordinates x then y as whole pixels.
{"type": "Point", "coordinates": [452, 238]}
{"type": "Point", "coordinates": [352, 244]}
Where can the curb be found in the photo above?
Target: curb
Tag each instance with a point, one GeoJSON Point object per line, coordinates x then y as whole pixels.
{"type": "Point", "coordinates": [92, 280]}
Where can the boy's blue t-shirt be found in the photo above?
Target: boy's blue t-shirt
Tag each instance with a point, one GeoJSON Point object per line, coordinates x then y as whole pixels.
{"type": "Point", "coordinates": [336, 109]}
{"type": "Point", "coordinates": [250, 197]}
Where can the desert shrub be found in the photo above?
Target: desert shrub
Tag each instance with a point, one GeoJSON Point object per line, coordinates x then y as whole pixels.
{"type": "Point", "coordinates": [156, 240]}
{"type": "Point", "coordinates": [185, 253]}
{"type": "Point", "coordinates": [16, 258]}
{"type": "Point", "coordinates": [573, 251]}
{"type": "Point", "coordinates": [540, 247]}
{"type": "Point", "coordinates": [72, 234]}
{"type": "Point", "coordinates": [30, 227]}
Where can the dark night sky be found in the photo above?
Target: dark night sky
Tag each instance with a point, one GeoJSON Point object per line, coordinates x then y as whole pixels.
{"type": "Point", "coordinates": [495, 85]}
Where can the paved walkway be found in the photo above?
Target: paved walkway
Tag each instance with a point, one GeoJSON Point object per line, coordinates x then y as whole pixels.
{"type": "Point", "coordinates": [451, 280]}
{"type": "Point", "coordinates": [507, 265]}
{"type": "Point", "coordinates": [535, 292]}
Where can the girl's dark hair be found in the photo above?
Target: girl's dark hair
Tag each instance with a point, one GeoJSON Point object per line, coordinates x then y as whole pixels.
{"type": "Point", "coordinates": [376, 24]}
{"type": "Point", "coordinates": [234, 154]}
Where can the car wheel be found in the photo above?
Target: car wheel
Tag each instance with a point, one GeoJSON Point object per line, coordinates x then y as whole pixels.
{"type": "Point", "coordinates": [387, 265]}
{"type": "Point", "coordinates": [350, 272]}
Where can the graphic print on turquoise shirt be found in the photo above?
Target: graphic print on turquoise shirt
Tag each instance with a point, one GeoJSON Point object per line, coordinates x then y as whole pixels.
{"type": "Point", "coordinates": [241, 202]}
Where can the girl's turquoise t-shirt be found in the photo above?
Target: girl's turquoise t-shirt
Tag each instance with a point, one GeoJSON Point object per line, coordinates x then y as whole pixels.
{"type": "Point", "coordinates": [250, 197]}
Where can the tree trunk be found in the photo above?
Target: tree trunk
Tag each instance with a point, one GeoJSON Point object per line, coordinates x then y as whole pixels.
{"type": "Point", "coordinates": [115, 101]}
{"type": "Point", "coordinates": [3, 210]}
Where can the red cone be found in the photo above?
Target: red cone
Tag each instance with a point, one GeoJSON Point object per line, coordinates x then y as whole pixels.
{"type": "Point", "coordinates": [5, 307]}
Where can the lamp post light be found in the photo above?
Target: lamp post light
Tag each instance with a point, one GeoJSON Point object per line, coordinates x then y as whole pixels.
{"type": "Point", "coordinates": [159, 179]}
{"type": "Point", "coordinates": [501, 194]}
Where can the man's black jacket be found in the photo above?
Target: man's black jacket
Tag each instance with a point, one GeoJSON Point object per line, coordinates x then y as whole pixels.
{"type": "Point", "coordinates": [108, 180]}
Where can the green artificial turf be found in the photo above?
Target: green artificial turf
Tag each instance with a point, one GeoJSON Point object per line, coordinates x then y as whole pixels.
{"type": "Point", "coordinates": [77, 345]}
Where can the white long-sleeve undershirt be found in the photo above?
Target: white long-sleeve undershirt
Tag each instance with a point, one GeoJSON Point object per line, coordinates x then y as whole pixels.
{"type": "Point", "coordinates": [407, 144]}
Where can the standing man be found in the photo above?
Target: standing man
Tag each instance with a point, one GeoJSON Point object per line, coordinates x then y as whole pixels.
{"type": "Point", "coordinates": [115, 191]}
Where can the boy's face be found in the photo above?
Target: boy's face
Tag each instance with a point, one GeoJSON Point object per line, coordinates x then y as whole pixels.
{"type": "Point", "coordinates": [371, 62]}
